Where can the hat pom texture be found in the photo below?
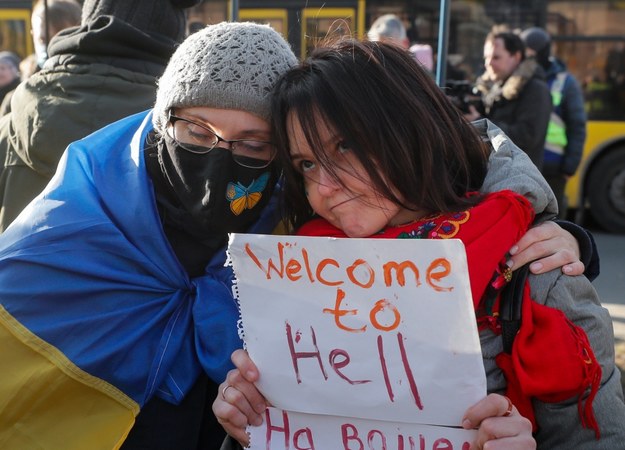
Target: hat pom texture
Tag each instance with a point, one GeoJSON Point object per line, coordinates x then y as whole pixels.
{"type": "Point", "coordinates": [230, 65]}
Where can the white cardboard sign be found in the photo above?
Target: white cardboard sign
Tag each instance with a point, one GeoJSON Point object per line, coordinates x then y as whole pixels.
{"type": "Point", "coordinates": [359, 331]}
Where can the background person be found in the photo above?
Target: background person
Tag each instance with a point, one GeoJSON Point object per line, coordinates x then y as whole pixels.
{"type": "Point", "coordinates": [9, 72]}
{"type": "Point", "coordinates": [514, 94]}
{"type": "Point", "coordinates": [390, 28]}
{"type": "Point", "coordinates": [61, 14]}
{"type": "Point", "coordinates": [416, 178]}
{"type": "Point", "coordinates": [566, 133]}
{"type": "Point", "coordinates": [95, 74]}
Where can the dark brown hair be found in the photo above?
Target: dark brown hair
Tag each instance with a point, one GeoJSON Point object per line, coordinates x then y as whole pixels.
{"type": "Point", "coordinates": [396, 120]}
{"type": "Point", "coordinates": [512, 42]}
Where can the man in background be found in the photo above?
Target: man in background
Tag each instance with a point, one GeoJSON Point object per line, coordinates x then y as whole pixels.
{"type": "Point", "coordinates": [566, 133]}
{"type": "Point", "coordinates": [389, 28]}
{"type": "Point", "coordinates": [514, 93]}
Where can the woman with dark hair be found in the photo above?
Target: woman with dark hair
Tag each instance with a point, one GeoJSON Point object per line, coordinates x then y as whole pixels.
{"type": "Point", "coordinates": [371, 147]}
{"type": "Point", "coordinates": [116, 315]}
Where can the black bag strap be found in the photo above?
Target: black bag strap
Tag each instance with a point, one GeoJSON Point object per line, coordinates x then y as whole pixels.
{"type": "Point", "coordinates": [510, 304]}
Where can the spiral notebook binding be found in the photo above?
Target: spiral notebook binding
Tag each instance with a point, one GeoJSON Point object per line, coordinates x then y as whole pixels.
{"type": "Point", "coordinates": [235, 294]}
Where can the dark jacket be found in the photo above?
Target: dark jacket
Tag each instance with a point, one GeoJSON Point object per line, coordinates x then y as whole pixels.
{"type": "Point", "coordinates": [96, 74]}
{"type": "Point", "coordinates": [571, 110]}
{"type": "Point", "coordinates": [520, 106]}
{"type": "Point", "coordinates": [7, 89]}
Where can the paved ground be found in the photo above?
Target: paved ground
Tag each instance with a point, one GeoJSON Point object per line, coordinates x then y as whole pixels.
{"type": "Point", "coordinates": [611, 286]}
{"type": "Point", "coordinates": [618, 319]}
{"type": "Point", "coordinates": [620, 361]}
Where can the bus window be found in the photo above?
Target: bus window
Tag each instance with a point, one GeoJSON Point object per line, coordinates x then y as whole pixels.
{"type": "Point", "coordinates": [319, 23]}
{"type": "Point", "coordinates": [15, 31]}
{"type": "Point", "coordinates": [599, 65]}
{"type": "Point", "coordinates": [614, 73]}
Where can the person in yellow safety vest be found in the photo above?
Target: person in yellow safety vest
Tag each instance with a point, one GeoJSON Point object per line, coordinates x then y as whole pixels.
{"type": "Point", "coordinates": [566, 133]}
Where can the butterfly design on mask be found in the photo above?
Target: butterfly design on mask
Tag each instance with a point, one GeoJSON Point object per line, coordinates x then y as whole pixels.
{"type": "Point", "coordinates": [242, 198]}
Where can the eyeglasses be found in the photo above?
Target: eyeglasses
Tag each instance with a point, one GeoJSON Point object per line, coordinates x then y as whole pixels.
{"type": "Point", "coordinates": [196, 138]}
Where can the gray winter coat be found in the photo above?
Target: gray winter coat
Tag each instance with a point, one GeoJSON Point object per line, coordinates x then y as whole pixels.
{"type": "Point", "coordinates": [559, 423]}
{"type": "Point", "coordinates": [560, 426]}
{"type": "Point", "coordinates": [96, 74]}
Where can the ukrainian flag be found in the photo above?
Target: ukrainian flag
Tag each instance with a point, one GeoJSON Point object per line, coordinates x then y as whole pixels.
{"type": "Point", "coordinates": [96, 313]}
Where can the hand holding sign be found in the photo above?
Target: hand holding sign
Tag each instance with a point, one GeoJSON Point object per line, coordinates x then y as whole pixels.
{"type": "Point", "coordinates": [356, 339]}
{"type": "Point", "coordinates": [245, 405]}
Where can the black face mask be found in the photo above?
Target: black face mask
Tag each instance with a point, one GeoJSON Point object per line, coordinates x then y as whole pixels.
{"type": "Point", "coordinates": [216, 195]}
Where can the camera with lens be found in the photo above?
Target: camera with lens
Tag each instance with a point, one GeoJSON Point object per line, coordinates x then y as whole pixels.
{"type": "Point", "coordinates": [462, 94]}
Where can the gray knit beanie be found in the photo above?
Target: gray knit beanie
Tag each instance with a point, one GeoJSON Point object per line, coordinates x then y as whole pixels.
{"type": "Point", "coordinates": [230, 65]}
{"type": "Point", "coordinates": [154, 17]}
{"type": "Point", "coordinates": [538, 40]}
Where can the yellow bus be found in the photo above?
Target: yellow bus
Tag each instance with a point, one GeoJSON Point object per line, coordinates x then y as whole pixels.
{"type": "Point", "coordinates": [301, 22]}
{"type": "Point", "coordinates": [589, 36]}
{"type": "Point", "coordinates": [599, 184]}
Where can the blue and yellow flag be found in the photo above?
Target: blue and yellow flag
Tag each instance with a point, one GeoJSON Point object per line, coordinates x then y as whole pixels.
{"type": "Point", "coordinates": [96, 313]}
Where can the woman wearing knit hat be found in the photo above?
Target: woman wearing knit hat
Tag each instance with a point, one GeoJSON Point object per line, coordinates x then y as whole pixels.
{"type": "Point", "coordinates": [130, 307]}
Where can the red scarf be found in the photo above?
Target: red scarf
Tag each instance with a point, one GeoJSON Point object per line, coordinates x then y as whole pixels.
{"type": "Point", "coordinates": [551, 357]}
